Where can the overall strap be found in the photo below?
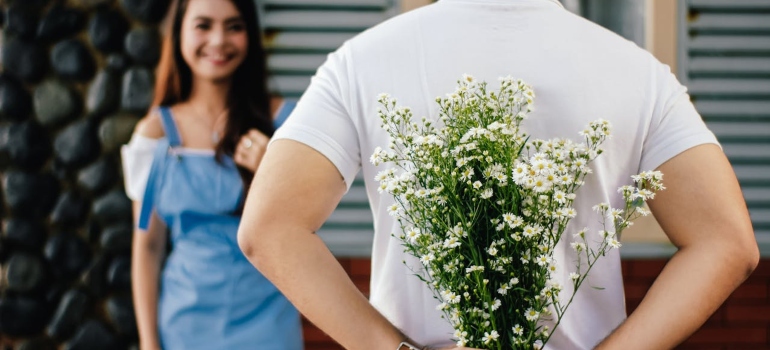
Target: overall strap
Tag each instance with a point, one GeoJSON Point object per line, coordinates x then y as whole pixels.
{"type": "Point", "coordinates": [169, 127]}
{"type": "Point", "coordinates": [154, 182]}
{"type": "Point", "coordinates": [286, 108]}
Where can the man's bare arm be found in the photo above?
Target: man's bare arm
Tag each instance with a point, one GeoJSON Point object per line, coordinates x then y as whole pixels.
{"type": "Point", "coordinates": [704, 214]}
{"type": "Point", "coordinates": [293, 192]}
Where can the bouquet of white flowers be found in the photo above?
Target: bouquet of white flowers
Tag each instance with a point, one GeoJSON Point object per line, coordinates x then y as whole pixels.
{"type": "Point", "coordinates": [483, 207]}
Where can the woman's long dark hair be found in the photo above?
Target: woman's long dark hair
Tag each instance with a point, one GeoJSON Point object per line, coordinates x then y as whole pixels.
{"type": "Point", "coordinates": [248, 100]}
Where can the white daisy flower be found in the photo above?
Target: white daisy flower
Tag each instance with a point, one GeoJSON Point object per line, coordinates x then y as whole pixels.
{"type": "Point", "coordinates": [490, 337]}
{"type": "Point", "coordinates": [531, 315]}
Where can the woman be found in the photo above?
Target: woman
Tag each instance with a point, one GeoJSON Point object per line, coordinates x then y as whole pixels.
{"type": "Point", "coordinates": [186, 169]}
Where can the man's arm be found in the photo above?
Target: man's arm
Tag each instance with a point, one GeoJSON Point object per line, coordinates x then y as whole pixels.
{"type": "Point", "coordinates": [704, 214]}
{"type": "Point", "coordinates": [294, 191]}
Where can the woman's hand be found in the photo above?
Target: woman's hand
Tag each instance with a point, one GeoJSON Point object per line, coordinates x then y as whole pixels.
{"type": "Point", "coordinates": [250, 149]}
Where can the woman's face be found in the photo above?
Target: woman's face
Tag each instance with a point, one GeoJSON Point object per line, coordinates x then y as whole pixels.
{"type": "Point", "coordinates": [213, 39]}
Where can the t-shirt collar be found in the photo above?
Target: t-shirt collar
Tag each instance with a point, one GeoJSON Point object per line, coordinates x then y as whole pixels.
{"type": "Point", "coordinates": [555, 2]}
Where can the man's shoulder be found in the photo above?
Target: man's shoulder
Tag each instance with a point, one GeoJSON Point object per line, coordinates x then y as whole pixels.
{"type": "Point", "coordinates": [392, 31]}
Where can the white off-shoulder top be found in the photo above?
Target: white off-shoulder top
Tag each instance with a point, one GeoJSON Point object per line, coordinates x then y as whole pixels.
{"type": "Point", "coordinates": [137, 155]}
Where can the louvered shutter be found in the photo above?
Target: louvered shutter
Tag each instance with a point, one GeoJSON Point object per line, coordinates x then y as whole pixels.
{"type": "Point", "coordinates": [724, 59]}
{"type": "Point", "coordinates": [299, 34]}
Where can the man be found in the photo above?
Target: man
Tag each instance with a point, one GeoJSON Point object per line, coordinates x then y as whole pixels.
{"type": "Point", "coordinates": [580, 72]}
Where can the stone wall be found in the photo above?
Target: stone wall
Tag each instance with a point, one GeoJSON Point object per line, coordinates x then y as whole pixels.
{"type": "Point", "coordinates": [76, 77]}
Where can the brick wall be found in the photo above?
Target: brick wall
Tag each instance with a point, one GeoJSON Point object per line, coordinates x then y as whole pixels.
{"type": "Point", "coordinates": [358, 270]}
{"type": "Point", "coordinates": [743, 322]}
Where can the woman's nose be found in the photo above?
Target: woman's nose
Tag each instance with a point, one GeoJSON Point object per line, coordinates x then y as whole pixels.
{"type": "Point", "coordinates": [217, 36]}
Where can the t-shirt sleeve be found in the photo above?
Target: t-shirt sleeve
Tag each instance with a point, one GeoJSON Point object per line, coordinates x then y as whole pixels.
{"type": "Point", "coordinates": [136, 158]}
{"type": "Point", "coordinates": [322, 117]}
{"type": "Point", "coordinates": [675, 125]}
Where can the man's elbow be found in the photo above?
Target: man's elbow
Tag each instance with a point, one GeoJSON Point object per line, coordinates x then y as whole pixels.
{"type": "Point", "coordinates": [249, 241]}
{"type": "Point", "coordinates": [734, 245]}
{"type": "Point", "coordinates": [752, 257]}
{"type": "Point", "coordinates": [745, 250]}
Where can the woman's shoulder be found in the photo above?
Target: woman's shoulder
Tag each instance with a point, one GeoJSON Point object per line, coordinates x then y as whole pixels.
{"type": "Point", "coordinates": [151, 126]}
{"type": "Point", "coordinates": [280, 105]}
{"type": "Point", "coordinates": [276, 102]}
{"type": "Point", "coordinates": [280, 109]}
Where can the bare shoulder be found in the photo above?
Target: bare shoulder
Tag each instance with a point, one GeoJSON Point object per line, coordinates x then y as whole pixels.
{"type": "Point", "coordinates": [150, 126]}
{"type": "Point", "coordinates": [275, 105]}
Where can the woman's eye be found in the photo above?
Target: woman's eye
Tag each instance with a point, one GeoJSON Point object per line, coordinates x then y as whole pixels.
{"type": "Point", "coordinates": [236, 27]}
{"type": "Point", "coordinates": [202, 26]}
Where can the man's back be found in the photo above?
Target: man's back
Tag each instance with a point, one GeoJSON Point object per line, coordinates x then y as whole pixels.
{"type": "Point", "coordinates": [580, 72]}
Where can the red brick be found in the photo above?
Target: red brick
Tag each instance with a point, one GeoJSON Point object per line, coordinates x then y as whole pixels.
{"type": "Point", "coordinates": [345, 263]}
{"type": "Point", "coordinates": [323, 346]}
{"type": "Point", "coordinates": [647, 268]}
{"type": "Point", "coordinates": [686, 346]}
{"type": "Point", "coordinates": [625, 266]}
{"type": "Point", "coordinates": [716, 320]}
{"type": "Point", "coordinates": [306, 322]}
{"type": "Point", "coordinates": [757, 313]}
{"type": "Point", "coordinates": [757, 346]}
{"type": "Point", "coordinates": [362, 284]}
{"type": "Point", "coordinates": [728, 336]}
{"type": "Point", "coordinates": [763, 270]}
{"type": "Point", "coordinates": [755, 278]}
{"type": "Point", "coordinates": [752, 290]}
{"type": "Point", "coordinates": [636, 290]}
{"type": "Point", "coordinates": [632, 304]}
{"type": "Point", "coordinates": [311, 333]}
{"type": "Point", "coordinates": [745, 302]}
{"type": "Point", "coordinates": [361, 267]}
{"type": "Point", "coordinates": [748, 306]}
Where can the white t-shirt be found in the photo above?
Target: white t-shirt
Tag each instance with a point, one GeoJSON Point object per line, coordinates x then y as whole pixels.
{"type": "Point", "coordinates": [580, 72]}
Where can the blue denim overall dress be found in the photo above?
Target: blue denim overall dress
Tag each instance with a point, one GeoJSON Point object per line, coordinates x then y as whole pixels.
{"type": "Point", "coordinates": [211, 297]}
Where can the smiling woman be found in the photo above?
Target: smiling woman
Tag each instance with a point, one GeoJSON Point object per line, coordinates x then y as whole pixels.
{"type": "Point", "coordinates": [187, 168]}
{"type": "Point", "coordinates": [206, 30]}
